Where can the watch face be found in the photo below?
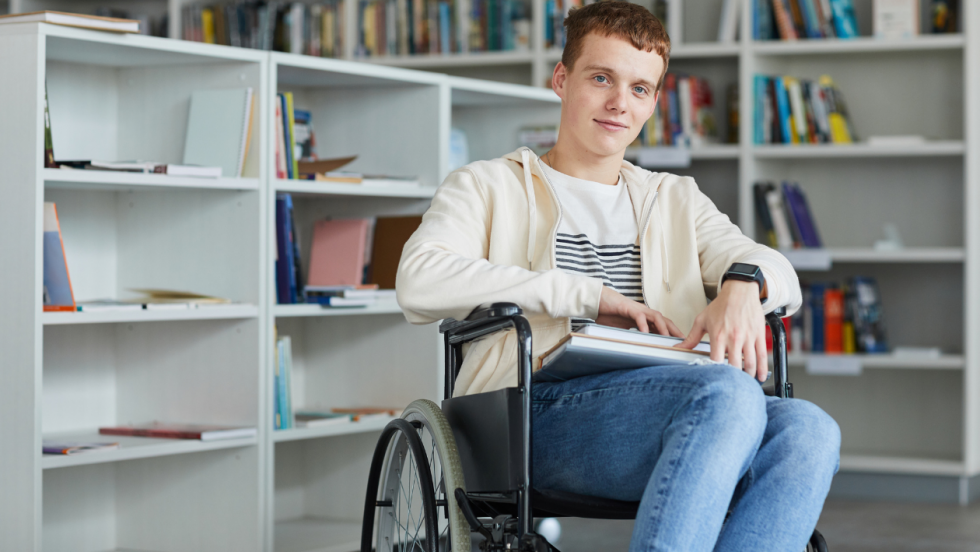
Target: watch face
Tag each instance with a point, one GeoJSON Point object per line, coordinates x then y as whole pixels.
{"type": "Point", "coordinates": [744, 268]}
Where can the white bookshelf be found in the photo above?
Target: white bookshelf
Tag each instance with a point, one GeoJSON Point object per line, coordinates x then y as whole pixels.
{"type": "Point", "coordinates": [118, 97]}
{"type": "Point", "coordinates": [904, 414]}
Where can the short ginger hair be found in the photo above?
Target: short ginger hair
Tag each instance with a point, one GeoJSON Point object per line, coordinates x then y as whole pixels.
{"type": "Point", "coordinates": [625, 20]}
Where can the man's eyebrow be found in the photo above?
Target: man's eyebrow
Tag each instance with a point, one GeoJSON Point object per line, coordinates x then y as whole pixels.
{"type": "Point", "coordinates": [605, 69]}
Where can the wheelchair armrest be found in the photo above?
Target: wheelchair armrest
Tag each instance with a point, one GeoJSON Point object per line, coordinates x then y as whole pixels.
{"type": "Point", "coordinates": [481, 321]}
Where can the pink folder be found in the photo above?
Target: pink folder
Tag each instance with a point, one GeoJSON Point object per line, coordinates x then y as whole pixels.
{"type": "Point", "coordinates": [337, 253]}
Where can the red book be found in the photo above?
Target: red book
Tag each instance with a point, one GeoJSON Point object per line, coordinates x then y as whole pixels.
{"type": "Point", "coordinates": [833, 312]}
{"type": "Point", "coordinates": [338, 252]}
{"type": "Point", "coordinates": [181, 431]}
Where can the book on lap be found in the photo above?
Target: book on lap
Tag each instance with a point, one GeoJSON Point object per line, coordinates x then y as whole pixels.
{"type": "Point", "coordinates": [597, 349]}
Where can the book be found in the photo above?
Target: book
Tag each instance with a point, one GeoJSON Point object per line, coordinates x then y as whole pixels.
{"type": "Point", "coordinates": [200, 432]}
{"type": "Point", "coordinates": [784, 237]}
{"type": "Point", "coordinates": [290, 120]}
{"type": "Point", "coordinates": [337, 301]}
{"type": "Point", "coordinates": [784, 19]}
{"type": "Point", "coordinates": [833, 313]}
{"type": "Point", "coordinates": [71, 447]}
{"type": "Point", "coordinates": [800, 111]}
{"type": "Point", "coordinates": [390, 236]}
{"type": "Point", "coordinates": [151, 296]}
{"type": "Point", "coordinates": [94, 22]}
{"type": "Point", "coordinates": [869, 327]}
{"type": "Point", "coordinates": [188, 170]}
{"type": "Point", "coordinates": [108, 305]}
{"type": "Point", "coordinates": [287, 283]}
{"type": "Point", "coordinates": [895, 19]}
{"type": "Point", "coordinates": [845, 23]}
{"type": "Point", "coordinates": [310, 418]}
{"type": "Point", "coordinates": [364, 413]}
{"type": "Point", "coordinates": [759, 191]}
{"type": "Point", "coordinates": [58, 295]}
{"type": "Point", "coordinates": [49, 162]}
{"type": "Point", "coordinates": [337, 254]}
{"type": "Point", "coordinates": [577, 355]}
{"type": "Point", "coordinates": [944, 15]}
{"type": "Point", "coordinates": [728, 26]}
{"type": "Point", "coordinates": [636, 336]}
{"type": "Point", "coordinates": [817, 321]}
{"type": "Point", "coordinates": [284, 388]}
{"type": "Point", "coordinates": [219, 129]}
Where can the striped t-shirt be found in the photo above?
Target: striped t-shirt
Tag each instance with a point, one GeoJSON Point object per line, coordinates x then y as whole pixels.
{"type": "Point", "coordinates": [597, 234]}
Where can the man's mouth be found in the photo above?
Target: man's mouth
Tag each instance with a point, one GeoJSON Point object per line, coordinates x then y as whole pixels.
{"type": "Point", "coordinates": [612, 126]}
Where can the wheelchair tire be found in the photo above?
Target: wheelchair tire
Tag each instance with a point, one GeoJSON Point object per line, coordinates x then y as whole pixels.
{"type": "Point", "coordinates": [421, 441]}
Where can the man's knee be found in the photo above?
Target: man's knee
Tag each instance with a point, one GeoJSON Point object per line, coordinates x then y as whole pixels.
{"type": "Point", "coordinates": [808, 436]}
{"type": "Point", "coordinates": [735, 399]}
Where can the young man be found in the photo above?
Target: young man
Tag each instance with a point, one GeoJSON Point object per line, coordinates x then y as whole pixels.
{"type": "Point", "coordinates": [581, 233]}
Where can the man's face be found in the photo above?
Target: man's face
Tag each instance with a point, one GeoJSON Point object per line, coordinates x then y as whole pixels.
{"type": "Point", "coordinates": [608, 95]}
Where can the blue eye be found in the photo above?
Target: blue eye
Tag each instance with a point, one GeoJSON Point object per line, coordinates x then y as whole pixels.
{"type": "Point", "coordinates": [639, 90]}
{"type": "Point", "coordinates": [603, 79]}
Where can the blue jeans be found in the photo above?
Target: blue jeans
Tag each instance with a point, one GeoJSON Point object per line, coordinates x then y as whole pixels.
{"type": "Point", "coordinates": [689, 443]}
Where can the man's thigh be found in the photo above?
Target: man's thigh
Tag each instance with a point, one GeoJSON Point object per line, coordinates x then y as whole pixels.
{"type": "Point", "coordinates": [602, 435]}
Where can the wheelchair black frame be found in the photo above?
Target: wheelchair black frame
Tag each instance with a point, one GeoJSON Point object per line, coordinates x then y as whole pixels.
{"type": "Point", "coordinates": [501, 316]}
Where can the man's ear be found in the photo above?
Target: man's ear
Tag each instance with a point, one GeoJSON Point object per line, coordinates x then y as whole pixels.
{"type": "Point", "coordinates": [558, 80]}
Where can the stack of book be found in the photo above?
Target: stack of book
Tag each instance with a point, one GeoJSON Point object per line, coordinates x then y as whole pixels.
{"type": "Point", "coordinates": [338, 416]}
{"type": "Point", "coordinates": [311, 29]}
{"type": "Point", "coordinates": [352, 261]}
{"type": "Point", "coordinates": [282, 387]}
{"type": "Point", "coordinates": [408, 27]}
{"type": "Point", "coordinates": [684, 115]}
{"type": "Point", "coordinates": [794, 19]}
{"type": "Point", "coordinates": [161, 430]}
{"type": "Point", "coordinates": [555, 12]}
{"type": "Point", "coordinates": [800, 111]}
{"type": "Point", "coordinates": [785, 216]}
{"type": "Point", "coordinates": [840, 318]}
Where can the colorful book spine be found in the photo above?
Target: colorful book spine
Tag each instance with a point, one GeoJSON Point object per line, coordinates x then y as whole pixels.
{"type": "Point", "coordinates": [817, 321]}
{"type": "Point", "coordinates": [833, 311]}
{"type": "Point", "coordinates": [58, 294]}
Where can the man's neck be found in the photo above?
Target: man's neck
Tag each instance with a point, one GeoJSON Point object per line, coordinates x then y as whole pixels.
{"type": "Point", "coordinates": [585, 165]}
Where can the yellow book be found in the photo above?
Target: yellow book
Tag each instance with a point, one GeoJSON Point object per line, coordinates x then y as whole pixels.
{"type": "Point", "coordinates": [326, 32]}
{"type": "Point", "coordinates": [207, 23]}
{"type": "Point", "coordinates": [290, 117]}
{"type": "Point", "coordinates": [368, 29]}
{"type": "Point", "coordinates": [840, 132]}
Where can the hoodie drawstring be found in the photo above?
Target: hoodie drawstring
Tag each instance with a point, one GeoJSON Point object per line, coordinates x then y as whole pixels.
{"type": "Point", "coordinates": [531, 207]}
{"type": "Point", "coordinates": [663, 246]}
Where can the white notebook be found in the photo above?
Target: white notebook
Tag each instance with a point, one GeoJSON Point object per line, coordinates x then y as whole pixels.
{"type": "Point", "coordinates": [597, 349]}
{"type": "Point", "coordinates": [96, 22]}
{"type": "Point", "coordinates": [218, 129]}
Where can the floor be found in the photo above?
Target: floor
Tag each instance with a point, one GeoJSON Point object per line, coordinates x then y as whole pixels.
{"type": "Point", "coordinates": [848, 527]}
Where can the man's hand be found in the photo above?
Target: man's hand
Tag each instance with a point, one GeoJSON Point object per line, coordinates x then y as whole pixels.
{"type": "Point", "coordinates": [736, 325]}
{"type": "Point", "coordinates": [619, 311]}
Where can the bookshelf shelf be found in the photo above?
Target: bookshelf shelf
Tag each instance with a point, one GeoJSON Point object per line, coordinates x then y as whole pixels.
{"type": "Point", "coordinates": [897, 464]}
{"type": "Point", "coordinates": [823, 259]}
{"type": "Point", "coordinates": [891, 360]}
{"type": "Point", "coordinates": [217, 312]}
{"type": "Point", "coordinates": [132, 448]}
{"type": "Point", "coordinates": [310, 534]}
{"type": "Point", "coordinates": [856, 45]}
{"type": "Point", "coordinates": [298, 311]}
{"type": "Point", "coordinates": [302, 433]}
{"type": "Point", "coordinates": [706, 152]}
{"type": "Point", "coordinates": [123, 181]}
{"type": "Point", "coordinates": [472, 59]}
{"type": "Point", "coordinates": [943, 148]}
{"type": "Point", "coordinates": [314, 188]}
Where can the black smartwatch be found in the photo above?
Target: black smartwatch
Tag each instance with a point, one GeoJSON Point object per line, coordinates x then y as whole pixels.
{"type": "Point", "coordinates": [746, 273]}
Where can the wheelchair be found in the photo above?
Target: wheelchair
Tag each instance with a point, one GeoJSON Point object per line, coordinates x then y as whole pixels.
{"type": "Point", "coordinates": [441, 476]}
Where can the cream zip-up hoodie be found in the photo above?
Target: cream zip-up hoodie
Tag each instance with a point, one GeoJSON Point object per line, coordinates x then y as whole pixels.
{"type": "Point", "coordinates": [489, 236]}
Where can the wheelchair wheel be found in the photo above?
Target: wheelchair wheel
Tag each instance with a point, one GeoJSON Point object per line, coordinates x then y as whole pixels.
{"type": "Point", "coordinates": [410, 488]}
{"type": "Point", "coordinates": [817, 543]}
